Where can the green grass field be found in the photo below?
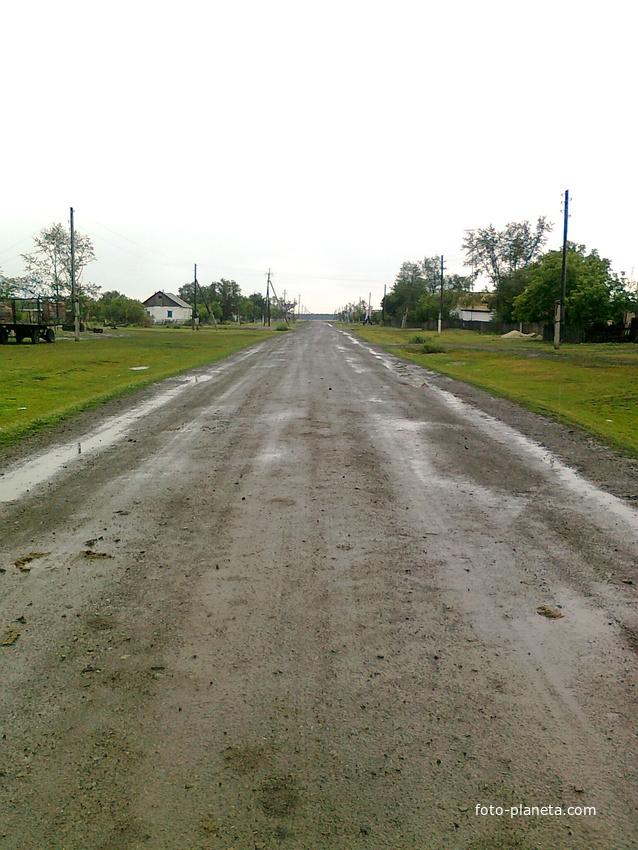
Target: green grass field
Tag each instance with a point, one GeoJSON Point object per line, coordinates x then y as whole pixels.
{"type": "Point", "coordinates": [592, 386]}
{"type": "Point", "coordinates": [43, 384]}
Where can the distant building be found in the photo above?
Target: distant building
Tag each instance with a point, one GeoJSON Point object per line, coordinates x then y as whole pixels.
{"type": "Point", "coordinates": [472, 307]}
{"type": "Point", "coordinates": [164, 307]}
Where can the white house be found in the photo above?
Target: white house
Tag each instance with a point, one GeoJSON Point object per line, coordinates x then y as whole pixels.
{"type": "Point", "coordinates": [473, 308]}
{"type": "Point", "coordinates": [164, 307]}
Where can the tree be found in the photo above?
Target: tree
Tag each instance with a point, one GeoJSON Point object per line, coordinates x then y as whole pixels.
{"type": "Point", "coordinates": [228, 294]}
{"type": "Point", "coordinates": [223, 301]}
{"type": "Point", "coordinates": [285, 309]}
{"type": "Point", "coordinates": [416, 294]}
{"type": "Point", "coordinates": [206, 295]}
{"type": "Point", "coordinates": [259, 306]}
{"type": "Point", "coordinates": [253, 308]}
{"type": "Point", "coordinates": [498, 253]}
{"type": "Point", "coordinates": [48, 267]}
{"type": "Point", "coordinates": [356, 311]}
{"type": "Point", "coordinates": [113, 308]}
{"type": "Point", "coordinates": [409, 287]}
{"type": "Point", "coordinates": [594, 294]}
{"type": "Point", "coordinates": [11, 287]}
{"type": "Point", "coordinates": [501, 300]}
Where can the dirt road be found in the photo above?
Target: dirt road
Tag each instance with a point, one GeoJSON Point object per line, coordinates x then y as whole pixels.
{"type": "Point", "coordinates": [295, 605]}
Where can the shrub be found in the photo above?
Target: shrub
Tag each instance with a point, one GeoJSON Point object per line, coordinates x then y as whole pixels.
{"type": "Point", "coordinates": [432, 348]}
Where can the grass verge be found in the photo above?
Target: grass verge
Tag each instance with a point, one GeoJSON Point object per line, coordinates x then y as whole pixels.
{"type": "Point", "coordinates": [43, 384]}
{"type": "Point", "coordinates": [589, 386]}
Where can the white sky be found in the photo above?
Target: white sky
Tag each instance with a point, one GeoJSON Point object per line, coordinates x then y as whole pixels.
{"type": "Point", "coordinates": [328, 141]}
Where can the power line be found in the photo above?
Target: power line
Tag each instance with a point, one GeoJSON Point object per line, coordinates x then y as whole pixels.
{"type": "Point", "coordinates": [172, 259]}
{"type": "Point", "coordinates": [15, 245]}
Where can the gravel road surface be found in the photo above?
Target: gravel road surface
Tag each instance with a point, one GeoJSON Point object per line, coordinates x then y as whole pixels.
{"type": "Point", "coordinates": [317, 597]}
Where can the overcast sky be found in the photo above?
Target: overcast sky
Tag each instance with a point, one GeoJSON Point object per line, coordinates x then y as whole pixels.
{"type": "Point", "coordinates": [327, 141]}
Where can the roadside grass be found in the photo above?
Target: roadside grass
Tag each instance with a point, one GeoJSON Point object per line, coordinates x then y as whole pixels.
{"type": "Point", "coordinates": [454, 336]}
{"type": "Point", "coordinates": [43, 384]}
{"type": "Point", "coordinates": [590, 386]}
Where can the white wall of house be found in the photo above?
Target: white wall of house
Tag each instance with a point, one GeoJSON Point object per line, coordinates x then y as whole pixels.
{"type": "Point", "coordinates": [467, 315]}
{"type": "Point", "coordinates": [163, 315]}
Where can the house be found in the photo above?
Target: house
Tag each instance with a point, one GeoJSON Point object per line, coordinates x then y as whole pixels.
{"type": "Point", "coordinates": [472, 307]}
{"type": "Point", "coordinates": [164, 307]}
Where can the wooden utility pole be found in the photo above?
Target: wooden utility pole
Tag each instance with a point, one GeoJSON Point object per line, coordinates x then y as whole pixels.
{"type": "Point", "coordinates": [268, 298]}
{"type": "Point", "coordinates": [440, 322]}
{"type": "Point", "coordinates": [74, 294]}
{"type": "Point", "coordinates": [194, 322]}
{"type": "Point", "coordinates": [559, 306]}
{"type": "Point", "coordinates": [407, 305]}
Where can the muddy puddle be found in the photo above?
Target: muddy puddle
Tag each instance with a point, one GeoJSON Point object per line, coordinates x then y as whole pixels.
{"type": "Point", "coordinates": [600, 507]}
{"type": "Point", "coordinates": [21, 479]}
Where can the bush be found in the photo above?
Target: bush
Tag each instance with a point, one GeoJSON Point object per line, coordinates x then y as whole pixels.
{"type": "Point", "coordinates": [428, 346]}
{"type": "Point", "coordinates": [432, 348]}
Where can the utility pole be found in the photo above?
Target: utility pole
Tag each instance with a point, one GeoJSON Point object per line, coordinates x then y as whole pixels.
{"type": "Point", "coordinates": [407, 305]}
{"type": "Point", "coordinates": [559, 306]}
{"type": "Point", "coordinates": [74, 294]}
{"type": "Point", "coordinates": [440, 322]}
{"type": "Point", "coordinates": [383, 306]}
{"type": "Point", "coordinates": [194, 323]}
{"type": "Point", "coordinates": [268, 298]}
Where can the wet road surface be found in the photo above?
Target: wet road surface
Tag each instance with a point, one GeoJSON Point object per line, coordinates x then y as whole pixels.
{"type": "Point", "coordinates": [293, 601]}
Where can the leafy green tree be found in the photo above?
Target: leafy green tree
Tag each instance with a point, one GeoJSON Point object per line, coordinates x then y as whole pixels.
{"type": "Point", "coordinates": [228, 293]}
{"type": "Point", "coordinates": [49, 265]}
{"type": "Point", "coordinates": [222, 301]}
{"type": "Point", "coordinates": [114, 308]}
{"type": "Point", "coordinates": [416, 294]}
{"type": "Point", "coordinates": [498, 253]}
{"type": "Point", "coordinates": [594, 294]}
{"type": "Point", "coordinates": [215, 311]}
{"type": "Point", "coordinates": [253, 308]}
{"type": "Point", "coordinates": [286, 309]}
{"type": "Point", "coordinates": [259, 306]}
{"type": "Point", "coordinates": [408, 289]}
{"type": "Point", "coordinates": [246, 310]}
{"type": "Point", "coordinates": [501, 300]}
{"type": "Point", "coordinates": [186, 292]}
{"type": "Point", "coordinates": [13, 287]}
{"type": "Point", "coordinates": [207, 296]}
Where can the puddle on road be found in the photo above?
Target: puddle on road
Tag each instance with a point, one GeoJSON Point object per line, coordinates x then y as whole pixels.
{"type": "Point", "coordinates": [516, 441]}
{"type": "Point", "coordinates": [510, 437]}
{"type": "Point", "coordinates": [18, 481]}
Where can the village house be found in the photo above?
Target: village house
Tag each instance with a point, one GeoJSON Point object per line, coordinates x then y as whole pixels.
{"type": "Point", "coordinates": [165, 307]}
{"type": "Point", "coordinates": [472, 307]}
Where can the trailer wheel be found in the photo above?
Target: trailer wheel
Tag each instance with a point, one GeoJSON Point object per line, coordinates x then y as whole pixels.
{"type": "Point", "coordinates": [35, 336]}
{"type": "Point", "coordinates": [49, 335]}
{"type": "Point", "coordinates": [4, 336]}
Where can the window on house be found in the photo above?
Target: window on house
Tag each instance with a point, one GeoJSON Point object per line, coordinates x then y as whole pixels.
{"type": "Point", "coordinates": [169, 314]}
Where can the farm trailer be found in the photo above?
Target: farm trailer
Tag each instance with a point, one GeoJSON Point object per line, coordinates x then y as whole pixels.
{"type": "Point", "coordinates": [30, 318]}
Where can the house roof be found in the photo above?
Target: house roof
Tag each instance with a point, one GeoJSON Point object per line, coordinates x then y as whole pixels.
{"type": "Point", "coordinates": [474, 301]}
{"type": "Point", "coordinates": [475, 308]}
{"type": "Point", "coordinates": [169, 296]}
